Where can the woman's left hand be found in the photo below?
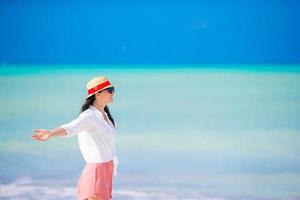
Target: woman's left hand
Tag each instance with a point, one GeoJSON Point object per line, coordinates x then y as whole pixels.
{"type": "Point", "coordinates": [42, 135]}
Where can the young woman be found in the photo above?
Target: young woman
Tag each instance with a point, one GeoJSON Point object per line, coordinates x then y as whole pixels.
{"type": "Point", "coordinates": [96, 133]}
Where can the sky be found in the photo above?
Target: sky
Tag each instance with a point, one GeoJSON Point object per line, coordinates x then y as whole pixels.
{"type": "Point", "coordinates": [150, 32]}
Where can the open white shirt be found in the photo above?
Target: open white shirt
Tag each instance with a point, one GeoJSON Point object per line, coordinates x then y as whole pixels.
{"type": "Point", "coordinates": [96, 136]}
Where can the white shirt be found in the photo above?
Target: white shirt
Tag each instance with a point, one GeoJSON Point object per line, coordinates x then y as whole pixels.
{"type": "Point", "coordinates": [96, 136]}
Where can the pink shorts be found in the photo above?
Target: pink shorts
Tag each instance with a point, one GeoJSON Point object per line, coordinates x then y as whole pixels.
{"type": "Point", "coordinates": [96, 181]}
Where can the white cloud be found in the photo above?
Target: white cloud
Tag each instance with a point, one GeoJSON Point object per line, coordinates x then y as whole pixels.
{"type": "Point", "coordinates": [25, 188]}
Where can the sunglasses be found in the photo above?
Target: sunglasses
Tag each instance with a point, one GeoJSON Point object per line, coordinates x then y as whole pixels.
{"type": "Point", "coordinates": [111, 90]}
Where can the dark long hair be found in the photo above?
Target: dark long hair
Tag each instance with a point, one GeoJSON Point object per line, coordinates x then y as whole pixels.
{"type": "Point", "coordinates": [89, 101]}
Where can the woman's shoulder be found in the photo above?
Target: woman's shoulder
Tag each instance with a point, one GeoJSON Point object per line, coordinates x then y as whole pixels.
{"type": "Point", "coordinates": [86, 114]}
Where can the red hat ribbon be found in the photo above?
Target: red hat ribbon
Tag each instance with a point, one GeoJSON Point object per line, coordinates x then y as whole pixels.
{"type": "Point", "coordinates": [98, 87]}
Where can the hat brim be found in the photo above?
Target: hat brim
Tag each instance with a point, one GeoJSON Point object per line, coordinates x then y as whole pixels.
{"type": "Point", "coordinates": [99, 91]}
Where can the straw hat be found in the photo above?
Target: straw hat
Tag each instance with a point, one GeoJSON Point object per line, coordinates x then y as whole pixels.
{"type": "Point", "coordinates": [97, 84]}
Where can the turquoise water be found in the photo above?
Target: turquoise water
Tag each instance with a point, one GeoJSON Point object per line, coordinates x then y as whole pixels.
{"type": "Point", "coordinates": [223, 132]}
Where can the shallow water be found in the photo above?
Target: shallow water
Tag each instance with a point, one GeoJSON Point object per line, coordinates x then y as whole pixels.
{"type": "Point", "coordinates": [221, 133]}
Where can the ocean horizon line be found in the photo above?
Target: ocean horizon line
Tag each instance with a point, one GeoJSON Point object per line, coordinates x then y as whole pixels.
{"type": "Point", "coordinates": [6, 69]}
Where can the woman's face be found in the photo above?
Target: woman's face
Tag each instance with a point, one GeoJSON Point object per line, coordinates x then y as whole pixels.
{"type": "Point", "coordinates": [106, 95]}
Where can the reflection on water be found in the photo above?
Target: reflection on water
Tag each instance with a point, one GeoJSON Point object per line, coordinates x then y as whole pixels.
{"type": "Point", "coordinates": [182, 134]}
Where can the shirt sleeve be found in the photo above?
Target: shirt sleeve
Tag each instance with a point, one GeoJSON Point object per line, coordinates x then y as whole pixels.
{"type": "Point", "coordinates": [79, 124]}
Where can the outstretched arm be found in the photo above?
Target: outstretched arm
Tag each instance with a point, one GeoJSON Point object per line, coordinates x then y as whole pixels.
{"type": "Point", "coordinates": [72, 128]}
{"type": "Point", "coordinates": [43, 134]}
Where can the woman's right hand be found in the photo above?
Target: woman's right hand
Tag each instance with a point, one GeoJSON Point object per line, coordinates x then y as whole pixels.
{"type": "Point", "coordinates": [41, 135]}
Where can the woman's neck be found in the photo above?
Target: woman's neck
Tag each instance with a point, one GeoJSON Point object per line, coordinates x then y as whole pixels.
{"type": "Point", "coordinates": [99, 106]}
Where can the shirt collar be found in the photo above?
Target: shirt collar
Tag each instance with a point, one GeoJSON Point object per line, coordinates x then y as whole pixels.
{"type": "Point", "coordinates": [93, 108]}
{"type": "Point", "coordinates": [99, 113]}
